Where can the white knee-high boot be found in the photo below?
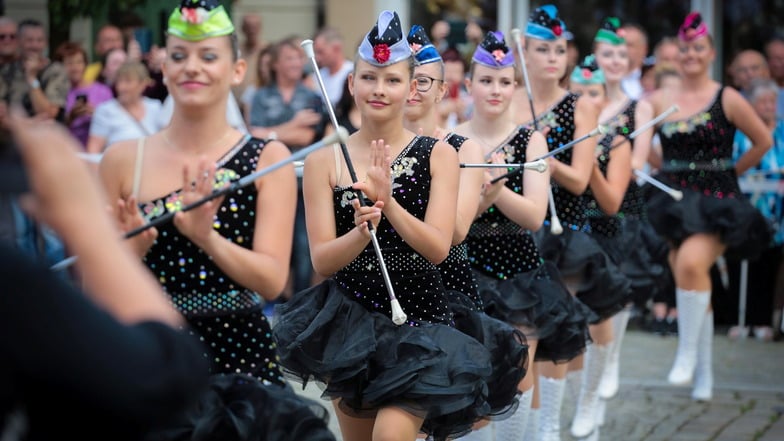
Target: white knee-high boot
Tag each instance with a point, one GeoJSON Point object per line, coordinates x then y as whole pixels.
{"type": "Point", "coordinates": [532, 428]}
{"type": "Point", "coordinates": [703, 373]}
{"type": "Point", "coordinates": [608, 387]}
{"type": "Point", "coordinates": [692, 307]}
{"type": "Point", "coordinates": [551, 392]}
{"type": "Point", "coordinates": [574, 381]}
{"type": "Point", "coordinates": [513, 427]}
{"type": "Point", "coordinates": [585, 420]}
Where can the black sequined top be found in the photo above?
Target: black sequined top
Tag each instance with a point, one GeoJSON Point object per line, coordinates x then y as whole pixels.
{"type": "Point", "coordinates": [600, 223]}
{"type": "Point", "coordinates": [560, 119]}
{"type": "Point", "coordinates": [697, 152]}
{"type": "Point", "coordinates": [456, 269]}
{"type": "Point", "coordinates": [416, 281]}
{"type": "Point", "coordinates": [497, 246]}
{"type": "Point", "coordinates": [195, 283]}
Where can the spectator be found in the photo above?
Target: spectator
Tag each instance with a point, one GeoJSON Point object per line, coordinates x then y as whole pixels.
{"type": "Point", "coordinates": [119, 355]}
{"type": "Point", "coordinates": [666, 51]}
{"type": "Point", "coordinates": [286, 109]}
{"type": "Point", "coordinates": [334, 67]}
{"type": "Point", "coordinates": [263, 79]}
{"type": "Point", "coordinates": [82, 99]}
{"type": "Point", "coordinates": [455, 108]}
{"type": "Point", "coordinates": [774, 51]}
{"type": "Point", "coordinates": [250, 49]}
{"type": "Point", "coordinates": [110, 63]}
{"type": "Point", "coordinates": [109, 37]}
{"type": "Point", "coordinates": [637, 43]}
{"type": "Point", "coordinates": [747, 66]}
{"type": "Point", "coordinates": [439, 34]}
{"type": "Point", "coordinates": [763, 95]}
{"type": "Point", "coordinates": [48, 81]}
{"type": "Point", "coordinates": [131, 115]}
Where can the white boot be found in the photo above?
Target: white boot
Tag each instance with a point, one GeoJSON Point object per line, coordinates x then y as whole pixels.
{"type": "Point", "coordinates": [532, 428]}
{"type": "Point", "coordinates": [692, 307]}
{"type": "Point", "coordinates": [584, 421]}
{"type": "Point", "coordinates": [608, 387]}
{"type": "Point", "coordinates": [513, 427]}
{"type": "Point", "coordinates": [551, 392]}
{"type": "Point", "coordinates": [574, 381]}
{"type": "Point", "coordinates": [601, 412]}
{"type": "Point", "coordinates": [703, 373]}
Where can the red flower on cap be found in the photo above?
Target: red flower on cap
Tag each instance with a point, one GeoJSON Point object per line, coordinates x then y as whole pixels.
{"type": "Point", "coordinates": [587, 74]}
{"type": "Point", "coordinates": [415, 47]}
{"type": "Point", "coordinates": [499, 55]}
{"type": "Point", "coordinates": [381, 53]}
{"type": "Point", "coordinates": [690, 33]}
{"type": "Point", "coordinates": [557, 30]}
{"type": "Point", "coordinates": [621, 32]}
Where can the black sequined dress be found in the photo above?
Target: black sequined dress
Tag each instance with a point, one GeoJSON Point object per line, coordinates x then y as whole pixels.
{"type": "Point", "coordinates": [515, 284]}
{"type": "Point", "coordinates": [340, 333]}
{"type": "Point", "coordinates": [576, 254]}
{"type": "Point", "coordinates": [227, 316]}
{"type": "Point", "coordinates": [697, 159]}
{"type": "Point", "coordinates": [628, 237]}
{"type": "Point", "coordinates": [507, 345]}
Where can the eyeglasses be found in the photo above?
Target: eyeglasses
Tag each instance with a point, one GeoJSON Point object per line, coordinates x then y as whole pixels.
{"type": "Point", "coordinates": [424, 82]}
{"type": "Point", "coordinates": [7, 36]}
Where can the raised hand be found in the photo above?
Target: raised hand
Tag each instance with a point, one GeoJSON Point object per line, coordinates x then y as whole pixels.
{"type": "Point", "coordinates": [129, 217]}
{"type": "Point", "coordinates": [490, 190]}
{"type": "Point", "coordinates": [378, 182]}
{"type": "Point", "coordinates": [364, 213]}
{"type": "Point", "coordinates": [197, 224]}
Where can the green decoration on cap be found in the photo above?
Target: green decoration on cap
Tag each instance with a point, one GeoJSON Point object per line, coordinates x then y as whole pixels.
{"type": "Point", "coordinates": [610, 32]}
{"type": "Point", "coordinates": [196, 20]}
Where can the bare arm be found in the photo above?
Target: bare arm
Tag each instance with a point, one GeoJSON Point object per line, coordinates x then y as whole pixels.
{"type": "Point", "coordinates": [643, 113]}
{"type": "Point", "coordinates": [575, 176]}
{"type": "Point", "coordinates": [529, 209]}
{"type": "Point", "coordinates": [609, 190]}
{"type": "Point", "coordinates": [742, 115]}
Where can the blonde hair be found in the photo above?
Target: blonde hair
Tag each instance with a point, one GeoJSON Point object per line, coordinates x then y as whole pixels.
{"type": "Point", "coordinates": [135, 70]}
{"type": "Point", "coordinates": [663, 71]}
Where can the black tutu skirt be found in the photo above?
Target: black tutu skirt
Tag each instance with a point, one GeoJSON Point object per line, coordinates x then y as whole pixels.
{"type": "Point", "coordinates": [506, 345]}
{"type": "Point", "coordinates": [741, 227]}
{"type": "Point", "coordinates": [554, 317]}
{"type": "Point", "coordinates": [602, 286]}
{"type": "Point", "coordinates": [640, 254]}
{"type": "Point", "coordinates": [366, 362]}
{"type": "Point", "coordinates": [237, 407]}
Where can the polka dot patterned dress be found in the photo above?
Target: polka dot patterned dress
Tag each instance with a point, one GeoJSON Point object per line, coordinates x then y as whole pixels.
{"type": "Point", "coordinates": [226, 315]}
{"type": "Point", "coordinates": [515, 284]}
{"type": "Point", "coordinates": [418, 286]}
{"type": "Point", "coordinates": [456, 269]}
{"type": "Point", "coordinates": [697, 159]}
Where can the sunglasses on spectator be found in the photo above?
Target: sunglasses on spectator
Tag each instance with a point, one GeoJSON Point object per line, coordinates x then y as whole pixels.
{"type": "Point", "coordinates": [7, 36]}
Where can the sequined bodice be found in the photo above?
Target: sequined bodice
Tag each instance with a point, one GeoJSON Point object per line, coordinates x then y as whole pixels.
{"type": "Point", "coordinates": [416, 280]}
{"type": "Point", "coordinates": [497, 246]}
{"type": "Point", "coordinates": [621, 124]}
{"type": "Point", "coordinates": [697, 152]}
{"type": "Point", "coordinates": [560, 120]}
{"type": "Point", "coordinates": [456, 269]}
{"type": "Point", "coordinates": [195, 283]}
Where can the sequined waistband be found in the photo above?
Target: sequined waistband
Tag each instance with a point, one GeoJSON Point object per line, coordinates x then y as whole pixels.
{"type": "Point", "coordinates": [677, 165]}
{"type": "Point", "coordinates": [485, 229]}
{"type": "Point", "coordinates": [458, 253]}
{"type": "Point", "coordinates": [395, 261]}
{"type": "Point", "coordinates": [207, 304]}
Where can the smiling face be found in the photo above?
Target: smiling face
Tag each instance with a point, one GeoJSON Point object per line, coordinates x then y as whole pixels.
{"type": "Point", "coordinates": [492, 89]}
{"type": "Point", "coordinates": [546, 60]}
{"type": "Point", "coordinates": [381, 92]}
{"type": "Point", "coordinates": [429, 90]}
{"type": "Point", "coordinates": [201, 73]}
{"type": "Point", "coordinates": [614, 61]}
{"type": "Point", "coordinates": [696, 56]}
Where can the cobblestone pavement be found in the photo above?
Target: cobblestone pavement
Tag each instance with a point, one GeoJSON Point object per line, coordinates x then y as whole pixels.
{"type": "Point", "coordinates": [748, 398]}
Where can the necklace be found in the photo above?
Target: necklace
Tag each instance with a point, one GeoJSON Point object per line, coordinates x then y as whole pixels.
{"type": "Point", "coordinates": [213, 145]}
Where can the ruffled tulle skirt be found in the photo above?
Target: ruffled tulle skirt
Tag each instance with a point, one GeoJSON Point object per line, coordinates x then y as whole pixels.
{"type": "Point", "coordinates": [236, 406]}
{"type": "Point", "coordinates": [601, 285]}
{"type": "Point", "coordinates": [740, 226]}
{"type": "Point", "coordinates": [538, 302]}
{"type": "Point", "coordinates": [366, 362]}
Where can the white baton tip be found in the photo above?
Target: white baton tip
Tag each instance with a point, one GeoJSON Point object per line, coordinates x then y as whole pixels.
{"type": "Point", "coordinates": [398, 316]}
{"type": "Point", "coordinates": [307, 45]}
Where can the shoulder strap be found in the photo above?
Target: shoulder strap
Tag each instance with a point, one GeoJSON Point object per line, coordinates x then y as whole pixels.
{"type": "Point", "coordinates": [137, 169]}
{"type": "Point", "coordinates": [338, 167]}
